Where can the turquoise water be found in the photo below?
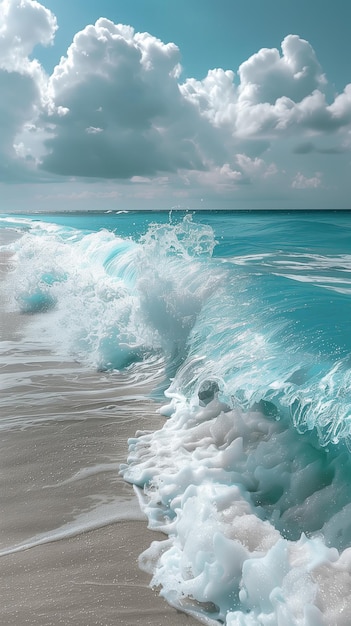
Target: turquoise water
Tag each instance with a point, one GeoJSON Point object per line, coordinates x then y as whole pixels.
{"type": "Point", "coordinates": [249, 477]}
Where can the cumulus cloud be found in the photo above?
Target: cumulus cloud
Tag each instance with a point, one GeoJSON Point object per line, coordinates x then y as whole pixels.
{"type": "Point", "coordinates": [275, 95]}
{"type": "Point", "coordinates": [303, 182]}
{"type": "Point", "coordinates": [23, 25]}
{"type": "Point", "coordinates": [115, 107]}
{"type": "Point", "coordinates": [226, 178]}
{"type": "Point", "coordinates": [340, 109]}
{"type": "Point", "coordinates": [215, 96]}
{"type": "Point", "coordinates": [268, 75]}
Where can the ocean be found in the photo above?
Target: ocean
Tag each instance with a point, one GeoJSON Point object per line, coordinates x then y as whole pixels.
{"type": "Point", "coordinates": [204, 358]}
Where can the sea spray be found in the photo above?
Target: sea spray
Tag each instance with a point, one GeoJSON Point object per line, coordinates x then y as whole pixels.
{"type": "Point", "coordinates": [115, 300]}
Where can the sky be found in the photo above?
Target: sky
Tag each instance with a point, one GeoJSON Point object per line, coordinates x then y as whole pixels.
{"type": "Point", "coordinates": [157, 104]}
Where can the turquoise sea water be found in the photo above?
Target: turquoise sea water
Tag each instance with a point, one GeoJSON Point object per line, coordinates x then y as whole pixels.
{"type": "Point", "coordinates": [249, 477]}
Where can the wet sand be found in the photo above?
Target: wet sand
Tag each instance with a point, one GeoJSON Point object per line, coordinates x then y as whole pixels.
{"type": "Point", "coordinates": [91, 579]}
{"type": "Point", "coordinates": [88, 579]}
{"type": "Point", "coordinates": [70, 527]}
{"type": "Point", "coordinates": [70, 574]}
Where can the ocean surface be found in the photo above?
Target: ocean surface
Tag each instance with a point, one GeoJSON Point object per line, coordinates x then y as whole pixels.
{"type": "Point", "coordinates": [239, 324]}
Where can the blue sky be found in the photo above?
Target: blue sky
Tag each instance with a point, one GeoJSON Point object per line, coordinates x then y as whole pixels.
{"type": "Point", "coordinates": [112, 104]}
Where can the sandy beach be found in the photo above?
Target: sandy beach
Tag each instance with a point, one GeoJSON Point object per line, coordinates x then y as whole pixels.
{"type": "Point", "coordinates": [70, 528]}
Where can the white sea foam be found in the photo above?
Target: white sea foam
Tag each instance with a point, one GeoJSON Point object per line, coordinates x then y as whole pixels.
{"type": "Point", "coordinates": [246, 504]}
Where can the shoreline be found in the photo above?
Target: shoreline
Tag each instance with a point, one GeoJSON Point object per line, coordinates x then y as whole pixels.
{"type": "Point", "coordinates": [64, 431]}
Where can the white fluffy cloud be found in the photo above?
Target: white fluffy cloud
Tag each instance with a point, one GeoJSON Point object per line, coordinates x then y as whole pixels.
{"type": "Point", "coordinates": [23, 25]}
{"type": "Point", "coordinates": [276, 94]}
{"type": "Point", "coordinates": [268, 75]}
{"type": "Point", "coordinates": [115, 107]}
